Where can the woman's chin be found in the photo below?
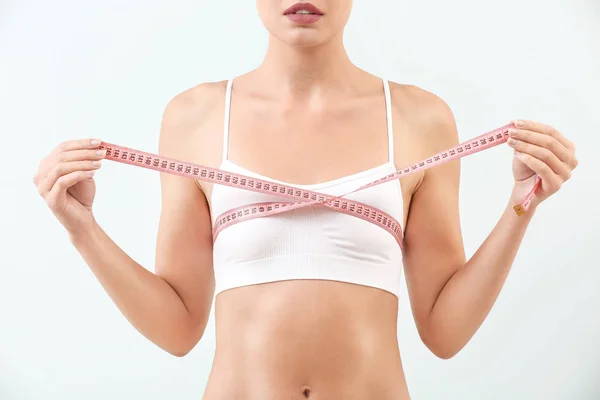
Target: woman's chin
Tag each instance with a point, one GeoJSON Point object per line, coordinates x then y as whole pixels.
{"type": "Point", "coordinates": [304, 38]}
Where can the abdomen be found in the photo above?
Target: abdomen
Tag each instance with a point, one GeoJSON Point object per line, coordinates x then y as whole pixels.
{"type": "Point", "coordinates": [304, 339]}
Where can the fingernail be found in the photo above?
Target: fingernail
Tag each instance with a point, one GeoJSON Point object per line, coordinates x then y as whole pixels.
{"type": "Point", "coordinates": [520, 124]}
{"type": "Point", "coordinates": [512, 141]}
{"type": "Point", "coordinates": [101, 152]}
{"type": "Point", "coordinates": [96, 163]}
{"type": "Point", "coordinates": [91, 173]}
{"type": "Point", "coordinates": [95, 141]}
{"type": "Point", "coordinates": [513, 132]}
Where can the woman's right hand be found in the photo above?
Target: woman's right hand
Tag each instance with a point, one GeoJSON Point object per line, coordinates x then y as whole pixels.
{"type": "Point", "coordinates": [65, 180]}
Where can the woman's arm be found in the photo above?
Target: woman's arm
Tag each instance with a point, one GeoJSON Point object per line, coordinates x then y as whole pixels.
{"type": "Point", "coordinates": [171, 306]}
{"type": "Point", "coordinates": [451, 296]}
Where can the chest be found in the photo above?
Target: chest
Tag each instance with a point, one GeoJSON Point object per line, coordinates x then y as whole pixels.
{"type": "Point", "coordinates": [308, 142]}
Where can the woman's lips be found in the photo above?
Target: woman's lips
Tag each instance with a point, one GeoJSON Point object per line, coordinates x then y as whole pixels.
{"type": "Point", "coordinates": [304, 19]}
{"type": "Point", "coordinates": [303, 13]}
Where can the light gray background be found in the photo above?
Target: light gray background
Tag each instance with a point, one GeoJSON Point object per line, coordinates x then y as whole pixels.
{"type": "Point", "coordinates": [73, 69]}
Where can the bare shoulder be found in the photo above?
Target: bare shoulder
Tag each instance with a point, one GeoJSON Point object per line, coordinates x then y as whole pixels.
{"type": "Point", "coordinates": [430, 118]}
{"type": "Point", "coordinates": [187, 114]}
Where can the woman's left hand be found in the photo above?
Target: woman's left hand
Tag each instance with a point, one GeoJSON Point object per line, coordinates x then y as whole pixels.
{"type": "Point", "coordinates": [540, 149]}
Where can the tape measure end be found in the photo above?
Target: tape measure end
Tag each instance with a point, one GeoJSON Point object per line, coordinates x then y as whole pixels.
{"type": "Point", "coordinates": [519, 210]}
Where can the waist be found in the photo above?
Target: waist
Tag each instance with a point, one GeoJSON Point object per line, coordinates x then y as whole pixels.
{"type": "Point", "coordinates": [306, 339]}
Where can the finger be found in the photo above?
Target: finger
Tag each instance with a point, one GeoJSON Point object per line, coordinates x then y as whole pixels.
{"type": "Point", "coordinates": [63, 183]}
{"type": "Point", "coordinates": [79, 144]}
{"type": "Point", "coordinates": [81, 155]}
{"type": "Point", "coordinates": [542, 154]}
{"type": "Point", "coordinates": [544, 141]}
{"type": "Point", "coordinates": [61, 154]}
{"type": "Point", "coordinates": [62, 169]}
{"type": "Point", "coordinates": [546, 130]}
{"type": "Point", "coordinates": [68, 156]}
{"type": "Point", "coordinates": [49, 163]}
{"type": "Point", "coordinates": [550, 181]}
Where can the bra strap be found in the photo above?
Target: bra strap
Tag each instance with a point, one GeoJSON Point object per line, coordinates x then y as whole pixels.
{"type": "Point", "coordinates": [388, 113]}
{"type": "Point", "coordinates": [226, 120]}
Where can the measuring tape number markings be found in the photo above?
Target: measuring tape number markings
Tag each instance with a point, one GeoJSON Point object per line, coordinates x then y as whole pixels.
{"type": "Point", "coordinates": [303, 197]}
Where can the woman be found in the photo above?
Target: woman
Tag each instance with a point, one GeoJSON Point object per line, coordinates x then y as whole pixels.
{"type": "Point", "coordinates": [306, 301]}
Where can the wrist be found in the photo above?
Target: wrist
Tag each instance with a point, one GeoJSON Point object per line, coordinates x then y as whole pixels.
{"type": "Point", "coordinates": [84, 233]}
{"type": "Point", "coordinates": [517, 198]}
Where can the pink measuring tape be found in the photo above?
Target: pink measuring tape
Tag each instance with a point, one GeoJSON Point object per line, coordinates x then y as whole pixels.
{"type": "Point", "coordinates": [302, 197]}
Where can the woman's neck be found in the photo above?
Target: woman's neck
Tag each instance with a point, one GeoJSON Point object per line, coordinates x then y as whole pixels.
{"type": "Point", "coordinates": [303, 70]}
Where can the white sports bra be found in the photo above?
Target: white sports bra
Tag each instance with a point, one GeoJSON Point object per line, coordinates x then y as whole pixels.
{"type": "Point", "coordinates": [313, 242]}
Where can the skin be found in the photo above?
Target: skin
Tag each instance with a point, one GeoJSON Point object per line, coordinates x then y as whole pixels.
{"type": "Point", "coordinates": [299, 339]}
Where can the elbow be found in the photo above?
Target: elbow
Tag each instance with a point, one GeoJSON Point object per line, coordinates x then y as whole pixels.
{"type": "Point", "coordinates": [180, 348]}
{"type": "Point", "coordinates": [179, 351]}
{"type": "Point", "coordinates": [182, 345]}
{"type": "Point", "coordinates": [444, 353]}
{"type": "Point", "coordinates": [441, 345]}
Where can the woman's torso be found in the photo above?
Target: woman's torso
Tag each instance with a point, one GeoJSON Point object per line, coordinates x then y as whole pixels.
{"type": "Point", "coordinates": [304, 337]}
